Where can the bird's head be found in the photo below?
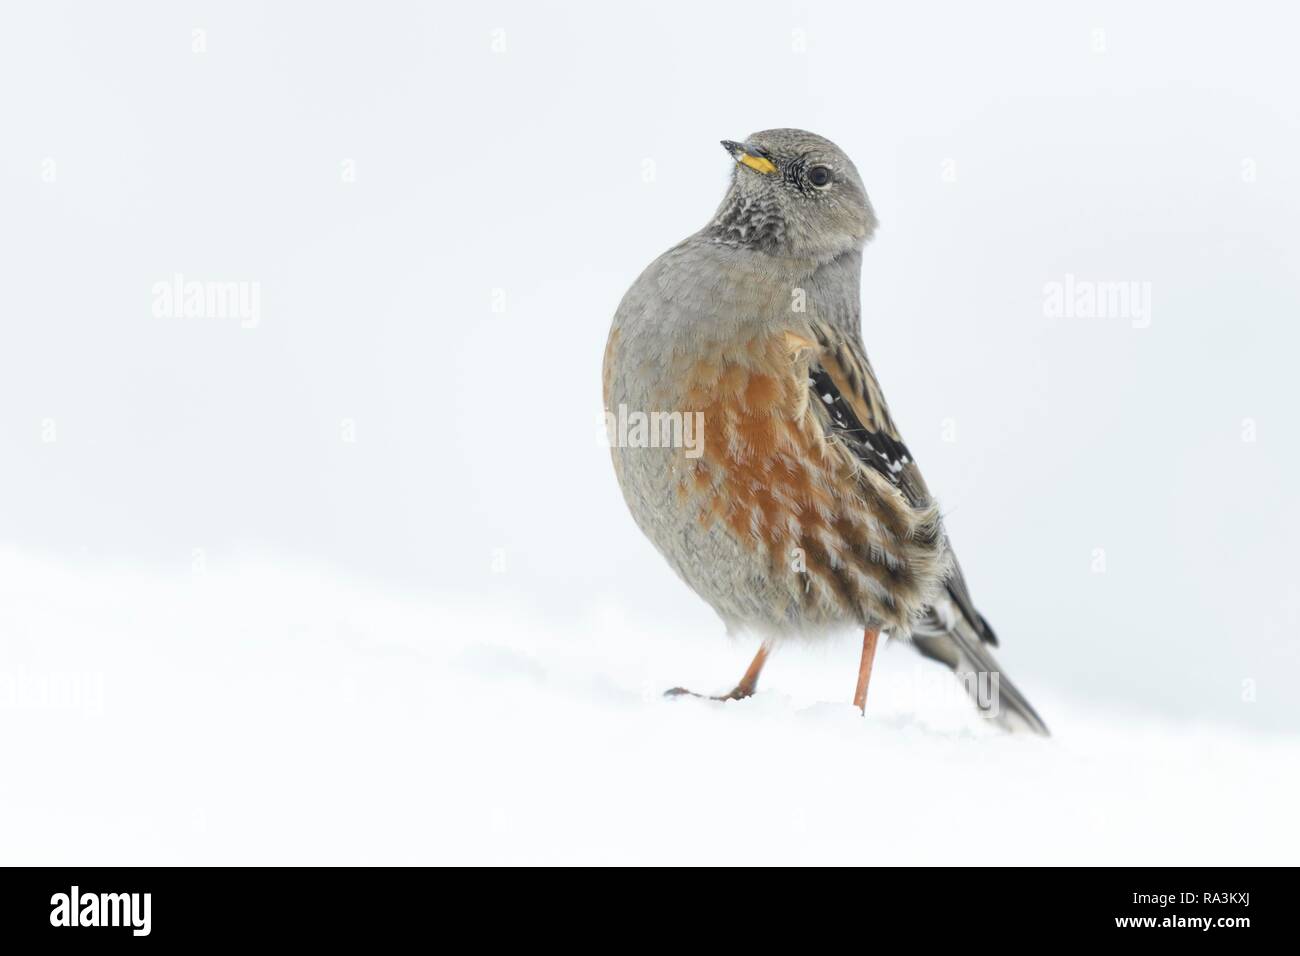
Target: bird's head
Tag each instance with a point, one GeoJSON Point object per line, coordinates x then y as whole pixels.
{"type": "Point", "coordinates": [793, 193]}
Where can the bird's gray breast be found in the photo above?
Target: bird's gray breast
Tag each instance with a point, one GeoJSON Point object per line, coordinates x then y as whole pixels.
{"type": "Point", "coordinates": [701, 303]}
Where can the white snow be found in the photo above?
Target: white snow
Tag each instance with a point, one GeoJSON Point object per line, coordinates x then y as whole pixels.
{"type": "Point", "coordinates": [261, 716]}
{"type": "Point", "coordinates": [252, 714]}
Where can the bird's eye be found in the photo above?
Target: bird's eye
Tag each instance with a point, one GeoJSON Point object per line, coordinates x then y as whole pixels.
{"type": "Point", "coordinates": [819, 176]}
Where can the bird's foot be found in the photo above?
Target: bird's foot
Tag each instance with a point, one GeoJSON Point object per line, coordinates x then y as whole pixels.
{"type": "Point", "coordinates": [740, 692]}
{"type": "Point", "coordinates": [748, 684]}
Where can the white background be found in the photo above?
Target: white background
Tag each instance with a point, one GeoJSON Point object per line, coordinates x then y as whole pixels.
{"type": "Point", "coordinates": [222, 580]}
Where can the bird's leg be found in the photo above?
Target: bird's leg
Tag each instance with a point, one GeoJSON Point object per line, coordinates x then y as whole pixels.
{"type": "Point", "coordinates": [748, 684]}
{"type": "Point", "coordinates": [864, 668]}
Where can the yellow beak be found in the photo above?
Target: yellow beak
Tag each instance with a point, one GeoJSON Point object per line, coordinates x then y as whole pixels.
{"type": "Point", "coordinates": [757, 163]}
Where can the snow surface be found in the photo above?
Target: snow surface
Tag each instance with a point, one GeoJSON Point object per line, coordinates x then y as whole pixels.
{"type": "Point", "coordinates": [263, 715]}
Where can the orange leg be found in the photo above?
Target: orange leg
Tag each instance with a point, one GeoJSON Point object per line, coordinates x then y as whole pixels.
{"type": "Point", "coordinates": [864, 668]}
{"type": "Point", "coordinates": [748, 684]}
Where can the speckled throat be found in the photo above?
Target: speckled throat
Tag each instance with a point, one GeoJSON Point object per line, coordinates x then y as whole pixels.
{"type": "Point", "coordinates": [748, 221]}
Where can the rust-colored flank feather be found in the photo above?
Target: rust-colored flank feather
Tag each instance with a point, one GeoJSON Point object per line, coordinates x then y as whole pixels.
{"type": "Point", "coordinates": [838, 534]}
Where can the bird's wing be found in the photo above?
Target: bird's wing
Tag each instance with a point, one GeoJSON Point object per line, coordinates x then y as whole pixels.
{"type": "Point", "coordinates": [845, 387]}
{"type": "Point", "coordinates": [853, 413]}
{"type": "Point", "coordinates": [852, 408]}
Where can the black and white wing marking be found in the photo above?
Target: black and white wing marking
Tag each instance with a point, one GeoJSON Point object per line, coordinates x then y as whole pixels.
{"type": "Point", "coordinates": [887, 455]}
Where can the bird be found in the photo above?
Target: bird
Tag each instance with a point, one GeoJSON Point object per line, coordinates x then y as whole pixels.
{"type": "Point", "coordinates": [767, 468]}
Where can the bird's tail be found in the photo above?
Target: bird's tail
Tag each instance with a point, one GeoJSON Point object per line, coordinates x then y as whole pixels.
{"type": "Point", "coordinates": [958, 646]}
